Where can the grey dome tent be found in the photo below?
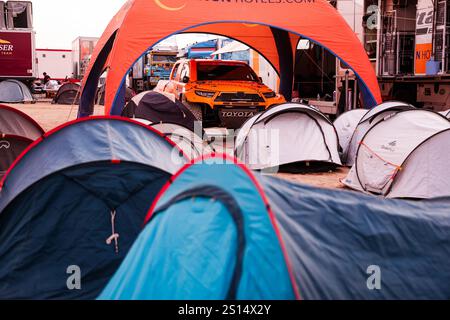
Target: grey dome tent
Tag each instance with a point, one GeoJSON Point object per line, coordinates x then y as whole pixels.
{"type": "Point", "coordinates": [78, 197]}
{"type": "Point", "coordinates": [17, 132]}
{"type": "Point", "coordinates": [293, 137]}
{"type": "Point", "coordinates": [346, 125]}
{"type": "Point", "coordinates": [68, 94]}
{"type": "Point", "coordinates": [405, 156]}
{"type": "Point", "coordinates": [13, 91]}
{"type": "Point", "coordinates": [370, 119]}
{"type": "Point", "coordinates": [156, 107]}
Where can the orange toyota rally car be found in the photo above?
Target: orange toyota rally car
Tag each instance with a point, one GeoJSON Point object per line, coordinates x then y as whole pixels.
{"type": "Point", "coordinates": [220, 93]}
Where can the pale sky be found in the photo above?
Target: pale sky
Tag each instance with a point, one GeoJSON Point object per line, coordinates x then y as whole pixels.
{"type": "Point", "coordinates": [58, 22]}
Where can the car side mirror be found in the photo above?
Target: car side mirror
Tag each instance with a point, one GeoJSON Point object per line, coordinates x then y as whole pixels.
{"type": "Point", "coordinates": [186, 79]}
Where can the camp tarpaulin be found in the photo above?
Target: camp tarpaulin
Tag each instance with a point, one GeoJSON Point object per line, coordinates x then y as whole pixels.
{"type": "Point", "coordinates": [70, 201]}
{"type": "Point", "coordinates": [272, 29]}
{"type": "Point", "coordinates": [265, 238]}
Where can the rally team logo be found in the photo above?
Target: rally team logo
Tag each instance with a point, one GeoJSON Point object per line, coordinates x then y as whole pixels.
{"type": "Point", "coordinates": [6, 47]}
{"type": "Point", "coordinates": [160, 4]}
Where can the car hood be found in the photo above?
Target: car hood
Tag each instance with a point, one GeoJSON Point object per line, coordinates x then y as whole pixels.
{"type": "Point", "coordinates": [231, 86]}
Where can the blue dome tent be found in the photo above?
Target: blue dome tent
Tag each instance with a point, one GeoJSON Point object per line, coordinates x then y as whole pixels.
{"type": "Point", "coordinates": [70, 201]}
{"type": "Point", "coordinates": [213, 234]}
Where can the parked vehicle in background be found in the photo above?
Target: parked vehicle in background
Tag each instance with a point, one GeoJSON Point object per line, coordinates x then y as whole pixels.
{"type": "Point", "coordinates": [153, 67]}
{"type": "Point", "coordinates": [160, 65]}
{"type": "Point", "coordinates": [55, 62]}
{"type": "Point", "coordinates": [82, 49]}
{"type": "Point", "coordinates": [220, 93]}
{"type": "Point", "coordinates": [17, 42]}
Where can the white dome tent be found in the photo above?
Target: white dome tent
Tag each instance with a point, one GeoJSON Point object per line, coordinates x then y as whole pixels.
{"type": "Point", "coordinates": [288, 137]}
{"type": "Point", "coordinates": [346, 125]}
{"type": "Point", "coordinates": [446, 114]}
{"type": "Point", "coordinates": [405, 156]}
{"type": "Point", "coordinates": [370, 119]}
{"type": "Point", "coordinates": [192, 145]}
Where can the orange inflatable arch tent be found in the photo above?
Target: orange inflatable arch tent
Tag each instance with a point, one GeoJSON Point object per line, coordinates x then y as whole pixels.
{"type": "Point", "coordinates": [271, 27]}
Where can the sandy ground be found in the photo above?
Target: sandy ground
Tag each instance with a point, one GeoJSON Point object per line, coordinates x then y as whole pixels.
{"type": "Point", "coordinates": [50, 116]}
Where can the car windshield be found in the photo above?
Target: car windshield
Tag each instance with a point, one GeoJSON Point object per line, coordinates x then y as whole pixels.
{"type": "Point", "coordinates": [164, 59]}
{"type": "Point", "coordinates": [206, 72]}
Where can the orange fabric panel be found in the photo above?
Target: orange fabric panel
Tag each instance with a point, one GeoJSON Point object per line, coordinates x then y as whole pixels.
{"type": "Point", "coordinates": [149, 21]}
{"type": "Point", "coordinates": [112, 27]}
{"type": "Point", "coordinates": [255, 36]}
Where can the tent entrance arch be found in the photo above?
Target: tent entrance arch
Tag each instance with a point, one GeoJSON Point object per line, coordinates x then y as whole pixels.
{"type": "Point", "coordinates": [270, 28]}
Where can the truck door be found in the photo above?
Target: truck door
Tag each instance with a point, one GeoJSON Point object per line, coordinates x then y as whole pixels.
{"type": "Point", "coordinates": [182, 75]}
{"type": "Point", "coordinates": [171, 85]}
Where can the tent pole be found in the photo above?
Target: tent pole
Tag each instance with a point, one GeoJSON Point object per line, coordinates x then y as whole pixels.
{"type": "Point", "coordinates": [286, 58]}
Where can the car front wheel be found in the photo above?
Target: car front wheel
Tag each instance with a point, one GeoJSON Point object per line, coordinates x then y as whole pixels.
{"type": "Point", "coordinates": [195, 108]}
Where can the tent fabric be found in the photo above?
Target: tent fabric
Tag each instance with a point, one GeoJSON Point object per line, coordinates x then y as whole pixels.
{"type": "Point", "coordinates": [68, 93]}
{"type": "Point", "coordinates": [100, 95]}
{"type": "Point", "coordinates": [330, 239]}
{"type": "Point", "coordinates": [17, 132]}
{"type": "Point", "coordinates": [346, 125]}
{"type": "Point", "coordinates": [69, 204]}
{"type": "Point", "coordinates": [10, 148]}
{"type": "Point", "coordinates": [112, 139]}
{"type": "Point", "coordinates": [231, 47]}
{"type": "Point", "coordinates": [13, 91]}
{"type": "Point", "coordinates": [156, 107]}
{"type": "Point", "coordinates": [371, 118]}
{"type": "Point", "coordinates": [249, 23]}
{"type": "Point", "coordinates": [192, 144]}
{"type": "Point", "coordinates": [385, 149]}
{"type": "Point", "coordinates": [233, 252]}
{"type": "Point", "coordinates": [446, 114]}
{"type": "Point", "coordinates": [333, 237]}
{"type": "Point", "coordinates": [287, 134]}
{"type": "Point", "coordinates": [15, 122]}
{"type": "Point", "coordinates": [425, 174]}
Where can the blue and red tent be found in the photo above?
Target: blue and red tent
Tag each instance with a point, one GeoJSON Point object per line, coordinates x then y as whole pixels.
{"type": "Point", "coordinates": [70, 200]}
{"type": "Point", "coordinates": [217, 232]}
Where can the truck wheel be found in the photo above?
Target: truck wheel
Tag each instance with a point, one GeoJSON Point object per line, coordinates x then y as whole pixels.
{"type": "Point", "coordinates": [196, 109]}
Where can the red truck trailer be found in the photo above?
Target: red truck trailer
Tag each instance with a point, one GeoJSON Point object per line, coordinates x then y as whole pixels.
{"type": "Point", "coordinates": [17, 55]}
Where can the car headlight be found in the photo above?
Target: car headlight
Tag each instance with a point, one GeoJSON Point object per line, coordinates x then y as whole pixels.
{"type": "Point", "coordinates": [205, 94]}
{"type": "Point", "coordinates": [269, 95]}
